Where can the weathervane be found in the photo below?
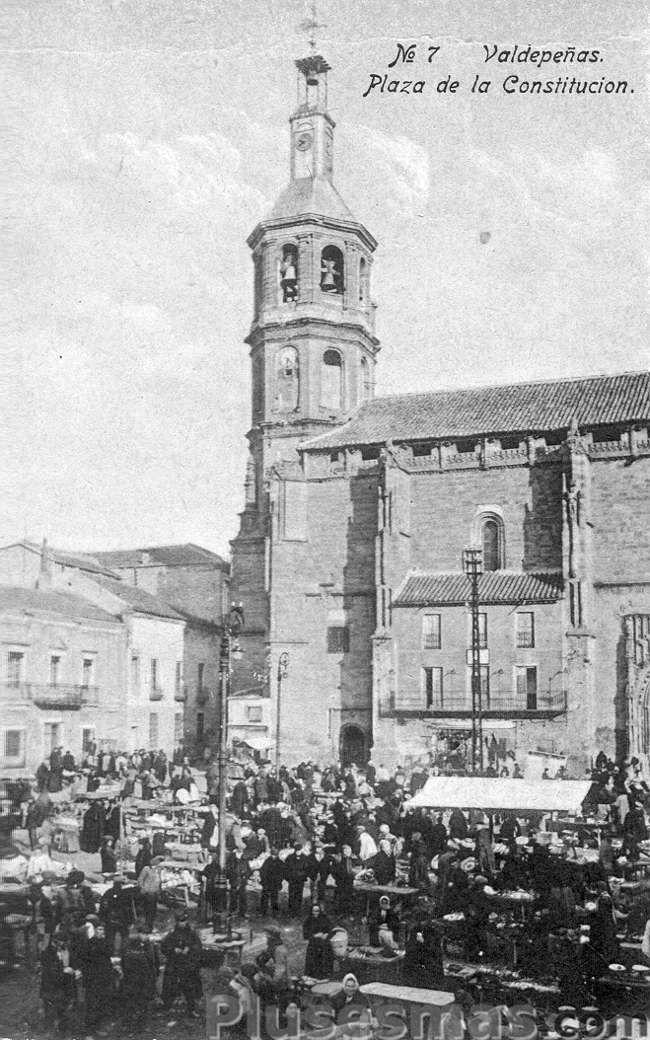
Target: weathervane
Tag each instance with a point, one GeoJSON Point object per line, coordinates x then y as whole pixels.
{"type": "Point", "coordinates": [311, 24]}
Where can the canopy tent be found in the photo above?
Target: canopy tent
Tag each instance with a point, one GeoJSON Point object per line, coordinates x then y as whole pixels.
{"type": "Point", "coordinates": [475, 792]}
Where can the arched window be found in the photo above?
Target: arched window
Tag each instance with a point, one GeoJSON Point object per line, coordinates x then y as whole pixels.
{"type": "Point", "coordinates": [492, 543]}
{"type": "Point", "coordinates": [363, 280]}
{"type": "Point", "coordinates": [331, 270]}
{"type": "Point", "coordinates": [331, 380]}
{"type": "Point", "coordinates": [365, 380]}
{"type": "Point", "coordinates": [288, 270]}
{"type": "Point", "coordinates": [287, 380]}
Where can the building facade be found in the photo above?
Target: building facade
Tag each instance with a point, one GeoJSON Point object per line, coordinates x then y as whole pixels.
{"type": "Point", "coordinates": [101, 660]}
{"type": "Point", "coordinates": [349, 554]}
{"type": "Point", "coordinates": [195, 582]}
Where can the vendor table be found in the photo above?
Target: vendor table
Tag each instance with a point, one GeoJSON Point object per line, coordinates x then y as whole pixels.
{"type": "Point", "coordinates": [368, 964]}
{"type": "Point", "coordinates": [408, 994]}
{"type": "Point", "coordinates": [392, 891]}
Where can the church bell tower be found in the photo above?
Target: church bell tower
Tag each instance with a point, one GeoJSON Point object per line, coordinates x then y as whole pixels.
{"type": "Point", "coordinates": [312, 342]}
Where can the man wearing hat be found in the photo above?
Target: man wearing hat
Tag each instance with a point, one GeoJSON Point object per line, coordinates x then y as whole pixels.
{"type": "Point", "coordinates": [182, 951]}
{"type": "Point", "coordinates": [74, 901]}
{"type": "Point", "coordinates": [271, 878]}
{"type": "Point", "coordinates": [117, 912]}
{"type": "Point", "coordinates": [149, 886]}
{"type": "Point", "coordinates": [295, 871]}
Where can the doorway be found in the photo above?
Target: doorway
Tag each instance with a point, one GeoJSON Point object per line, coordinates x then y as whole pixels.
{"type": "Point", "coordinates": [353, 746]}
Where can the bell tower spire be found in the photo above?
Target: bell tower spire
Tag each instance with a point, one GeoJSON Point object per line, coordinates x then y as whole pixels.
{"type": "Point", "coordinates": [312, 127]}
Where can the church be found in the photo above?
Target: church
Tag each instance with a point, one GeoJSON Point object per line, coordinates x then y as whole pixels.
{"type": "Point", "coordinates": [349, 559]}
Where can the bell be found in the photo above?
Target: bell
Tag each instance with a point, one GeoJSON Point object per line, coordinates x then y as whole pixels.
{"type": "Point", "coordinates": [312, 79]}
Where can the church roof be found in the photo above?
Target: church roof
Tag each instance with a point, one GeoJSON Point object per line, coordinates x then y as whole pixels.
{"type": "Point", "coordinates": [513, 408]}
{"type": "Point", "coordinates": [421, 589]}
{"type": "Point", "coordinates": [311, 195]}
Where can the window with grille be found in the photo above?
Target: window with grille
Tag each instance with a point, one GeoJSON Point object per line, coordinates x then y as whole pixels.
{"type": "Point", "coordinates": [13, 746]}
{"type": "Point", "coordinates": [525, 623]}
{"type": "Point", "coordinates": [153, 730]}
{"type": "Point", "coordinates": [200, 676]}
{"type": "Point", "coordinates": [154, 673]}
{"type": "Point", "coordinates": [338, 639]}
{"type": "Point", "coordinates": [431, 632]}
{"type": "Point", "coordinates": [178, 679]}
{"type": "Point", "coordinates": [432, 683]}
{"type": "Point", "coordinates": [178, 727]}
{"type": "Point", "coordinates": [15, 664]}
{"type": "Point", "coordinates": [135, 673]}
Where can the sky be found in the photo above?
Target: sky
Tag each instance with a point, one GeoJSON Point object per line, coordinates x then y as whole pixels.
{"type": "Point", "coordinates": [149, 137]}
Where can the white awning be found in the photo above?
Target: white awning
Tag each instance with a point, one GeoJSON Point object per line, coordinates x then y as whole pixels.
{"type": "Point", "coordinates": [475, 792]}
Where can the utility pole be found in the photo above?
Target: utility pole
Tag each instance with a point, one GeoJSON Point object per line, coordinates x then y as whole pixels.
{"type": "Point", "coordinates": [473, 567]}
{"type": "Point", "coordinates": [229, 651]}
{"type": "Point", "coordinates": [283, 668]}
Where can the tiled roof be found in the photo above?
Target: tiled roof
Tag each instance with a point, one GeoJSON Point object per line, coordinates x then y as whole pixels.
{"type": "Point", "coordinates": [80, 561]}
{"type": "Point", "coordinates": [13, 599]}
{"type": "Point", "coordinates": [141, 601]}
{"type": "Point", "coordinates": [169, 555]}
{"type": "Point", "coordinates": [429, 590]}
{"type": "Point", "coordinates": [514, 408]}
{"type": "Point", "coordinates": [311, 195]}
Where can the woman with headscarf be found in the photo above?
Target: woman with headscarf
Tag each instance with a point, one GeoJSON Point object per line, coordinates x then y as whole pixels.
{"type": "Point", "coordinates": [384, 863]}
{"type": "Point", "coordinates": [349, 1003]}
{"type": "Point", "coordinates": [319, 958]}
{"type": "Point", "coordinates": [367, 847]}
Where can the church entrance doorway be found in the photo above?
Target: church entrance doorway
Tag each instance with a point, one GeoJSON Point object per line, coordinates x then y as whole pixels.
{"type": "Point", "coordinates": [353, 746]}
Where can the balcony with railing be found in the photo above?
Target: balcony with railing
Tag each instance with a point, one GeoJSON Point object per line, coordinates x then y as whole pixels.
{"type": "Point", "coordinates": [458, 705]}
{"type": "Point", "coordinates": [180, 694]}
{"type": "Point", "coordinates": [155, 693]}
{"type": "Point", "coordinates": [64, 696]}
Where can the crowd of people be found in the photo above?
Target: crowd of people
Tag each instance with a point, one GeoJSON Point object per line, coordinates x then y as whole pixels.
{"type": "Point", "coordinates": [297, 846]}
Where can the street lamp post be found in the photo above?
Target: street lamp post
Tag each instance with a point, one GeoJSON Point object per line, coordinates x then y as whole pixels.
{"type": "Point", "coordinates": [473, 567]}
{"type": "Point", "coordinates": [283, 668]}
{"type": "Point", "coordinates": [229, 650]}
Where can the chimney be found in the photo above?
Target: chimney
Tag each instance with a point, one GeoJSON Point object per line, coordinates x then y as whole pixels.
{"type": "Point", "coordinates": [45, 574]}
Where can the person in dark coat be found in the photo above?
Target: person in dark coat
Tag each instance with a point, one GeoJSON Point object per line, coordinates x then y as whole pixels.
{"type": "Point", "coordinates": [271, 878]}
{"type": "Point", "coordinates": [238, 872]}
{"type": "Point", "coordinates": [458, 828]}
{"type": "Point", "coordinates": [319, 958]}
{"type": "Point", "coordinates": [423, 966]}
{"type": "Point", "coordinates": [58, 983]}
{"type": "Point", "coordinates": [108, 857]}
{"type": "Point", "coordinates": [143, 857]}
{"type": "Point", "coordinates": [138, 982]}
{"type": "Point", "coordinates": [181, 949]}
{"type": "Point", "coordinates": [239, 798]}
{"type": "Point", "coordinates": [383, 864]}
{"type": "Point", "coordinates": [209, 875]}
{"type": "Point", "coordinates": [97, 971]}
{"type": "Point", "coordinates": [295, 872]}
{"type": "Point", "coordinates": [117, 912]}
{"type": "Point", "coordinates": [92, 830]}
{"type": "Point", "coordinates": [437, 841]}
{"type": "Point", "coordinates": [343, 873]}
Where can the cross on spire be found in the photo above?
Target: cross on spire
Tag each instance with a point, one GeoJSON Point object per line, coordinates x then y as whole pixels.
{"type": "Point", "coordinates": [311, 24]}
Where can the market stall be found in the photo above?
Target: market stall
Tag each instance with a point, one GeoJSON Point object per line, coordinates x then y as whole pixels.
{"type": "Point", "coordinates": [501, 795]}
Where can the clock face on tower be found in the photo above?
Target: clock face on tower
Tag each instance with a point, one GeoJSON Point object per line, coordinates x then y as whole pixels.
{"type": "Point", "coordinates": [303, 141]}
